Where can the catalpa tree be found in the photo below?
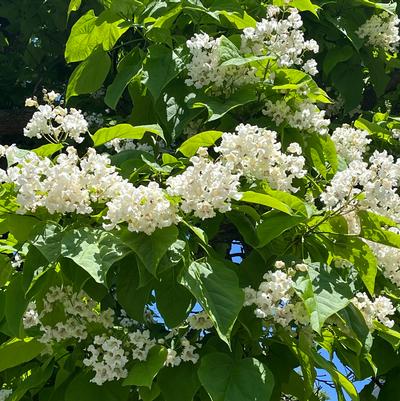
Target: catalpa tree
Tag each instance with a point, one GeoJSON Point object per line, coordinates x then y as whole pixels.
{"type": "Point", "coordinates": [214, 212]}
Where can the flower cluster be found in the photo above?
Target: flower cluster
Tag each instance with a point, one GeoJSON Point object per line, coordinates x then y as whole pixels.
{"type": "Point", "coordinates": [187, 353]}
{"type": "Point", "coordinates": [55, 123]}
{"type": "Point", "coordinates": [388, 258]}
{"type": "Point", "coordinates": [351, 143]}
{"type": "Point", "coordinates": [69, 185]}
{"type": "Point", "coordinates": [378, 182]}
{"type": "Point", "coordinates": [381, 30]}
{"type": "Point", "coordinates": [200, 321]}
{"type": "Point", "coordinates": [205, 187]}
{"type": "Point", "coordinates": [303, 115]}
{"type": "Point", "coordinates": [144, 208]}
{"type": "Point", "coordinates": [379, 309]}
{"type": "Point", "coordinates": [206, 68]}
{"type": "Point", "coordinates": [5, 394]}
{"type": "Point", "coordinates": [78, 312]}
{"type": "Point", "coordinates": [280, 38]}
{"type": "Point", "coordinates": [255, 153]}
{"type": "Point", "coordinates": [107, 359]}
{"type": "Point", "coordinates": [274, 299]}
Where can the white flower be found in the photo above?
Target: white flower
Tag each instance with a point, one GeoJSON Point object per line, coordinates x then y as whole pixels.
{"type": "Point", "coordinates": [281, 38]}
{"type": "Point", "coordinates": [305, 115]}
{"type": "Point", "coordinates": [273, 300]}
{"type": "Point", "coordinates": [5, 394]}
{"type": "Point", "coordinates": [200, 321]}
{"type": "Point", "coordinates": [55, 123]}
{"type": "Point", "coordinates": [350, 143]}
{"type": "Point", "coordinates": [381, 30]}
{"type": "Point", "coordinates": [310, 67]}
{"type": "Point", "coordinates": [144, 208]}
{"type": "Point", "coordinates": [379, 309]}
{"type": "Point", "coordinates": [256, 153]}
{"type": "Point", "coordinates": [205, 187]}
{"type": "Point", "coordinates": [205, 69]}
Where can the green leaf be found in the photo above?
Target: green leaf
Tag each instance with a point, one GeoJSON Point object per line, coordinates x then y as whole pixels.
{"type": "Point", "coordinates": [5, 270]}
{"type": "Point", "coordinates": [15, 352]}
{"type": "Point", "coordinates": [74, 6]}
{"type": "Point", "coordinates": [323, 295]}
{"type": "Point", "coordinates": [302, 5]}
{"type": "Point", "coordinates": [390, 335]}
{"type": "Point", "coordinates": [360, 255]}
{"type": "Point", "coordinates": [94, 250]}
{"type": "Point", "coordinates": [90, 31]}
{"type": "Point", "coordinates": [339, 379]}
{"type": "Point", "coordinates": [80, 388]}
{"type": "Point", "coordinates": [179, 383]}
{"type": "Point", "coordinates": [173, 313]}
{"type": "Point", "coordinates": [144, 372]}
{"type": "Point", "coordinates": [240, 20]}
{"type": "Point", "coordinates": [265, 200]}
{"type": "Point", "coordinates": [204, 139]}
{"type": "Point", "coordinates": [22, 227]}
{"type": "Point", "coordinates": [48, 150]}
{"type": "Point", "coordinates": [128, 67]}
{"type": "Point", "coordinates": [130, 295]}
{"type": "Point", "coordinates": [245, 227]}
{"type": "Point", "coordinates": [36, 380]}
{"type": "Point", "coordinates": [274, 224]}
{"type": "Point", "coordinates": [217, 108]}
{"type": "Point", "coordinates": [373, 228]}
{"type": "Point", "coordinates": [149, 395]}
{"type": "Point", "coordinates": [335, 56]}
{"type": "Point", "coordinates": [151, 248]}
{"type": "Point", "coordinates": [227, 379]}
{"type": "Point", "coordinates": [89, 75]}
{"type": "Point", "coordinates": [15, 305]}
{"type": "Point", "coordinates": [390, 7]}
{"type": "Point", "coordinates": [216, 287]}
{"type": "Point", "coordinates": [162, 66]}
{"type": "Point", "coordinates": [227, 50]}
{"type": "Point", "coordinates": [125, 131]}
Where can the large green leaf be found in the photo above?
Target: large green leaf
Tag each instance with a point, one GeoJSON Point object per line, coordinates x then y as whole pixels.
{"type": "Point", "coordinates": [266, 200]}
{"type": "Point", "coordinates": [151, 248]}
{"type": "Point", "coordinates": [217, 108]}
{"type": "Point", "coordinates": [360, 255]}
{"type": "Point", "coordinates": [40, 375]}
{"type": "Point", "coordinates": [273, 224]}
{"type": "Point", "coordinates": [204, 139]}
{"type": "Point", "coordinates": [94, 250]}
{"type": "Point", "coordinates": [15, 305]}
{"type": "Point", "coordinates": [144, 372]}
{"type": "Point", "coordinates": [80, 388]}
{"type": "Point", "coordinates": [128, 67]}
{"type": "Point", "coordinates": [130, 294]}
{"type": "Point", "coordinates": [89, 75]}
{"type": "Point", "coordinates": [173, 313]}
{"type": "Point", "coordinates": [216, 287]}
{"type": "Point", "coordinates": [302, 5]}
{"type": "Point", "coordinates": [162, 65]}
{"type": "Point", "coordinates": [373, 228]}
{"type": "Point", "coordinates": [90, 32]}
{"type": "Point", "coordinates": [15, 352]}
{"type": "Point", "coordinates": [125, 131]}
{"type": "Point", "coordinates": [323, 295]}
{"type": "Point", "coordinates": [179, 383]}
{"type": "Point", "coordinates": [227, 379]}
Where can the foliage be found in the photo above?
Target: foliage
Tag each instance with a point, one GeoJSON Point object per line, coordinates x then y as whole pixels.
{"type": "Point", "coordinates": [212, 236]}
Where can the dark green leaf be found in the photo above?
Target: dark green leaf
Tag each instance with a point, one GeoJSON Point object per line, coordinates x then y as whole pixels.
{"type": "Point", "coordinates": [226, 379]}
